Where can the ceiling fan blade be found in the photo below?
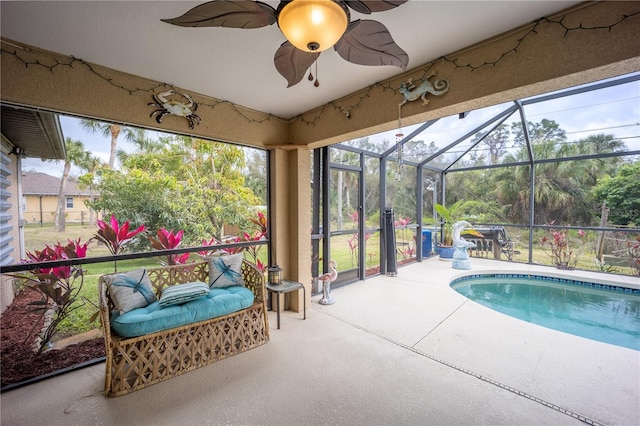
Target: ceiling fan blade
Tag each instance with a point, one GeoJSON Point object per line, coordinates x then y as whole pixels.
{"type": "Point", "coordinates": [227, 13]}
{"type": "Point", "coordinates": [368, 6]}
{"type": "Point", "coordinates": [293, 63]}
{"type": "Point", "coordinates": [369, 43]}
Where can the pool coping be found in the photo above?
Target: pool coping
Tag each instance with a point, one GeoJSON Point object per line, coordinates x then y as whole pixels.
{"type": "Point", "coordinates": [581, 282]}
{"type": "Point", "coordinates": [585, 278]}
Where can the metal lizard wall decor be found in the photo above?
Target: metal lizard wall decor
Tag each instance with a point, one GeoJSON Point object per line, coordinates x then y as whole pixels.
{"type": "Point", "coordinates": [411, 92]}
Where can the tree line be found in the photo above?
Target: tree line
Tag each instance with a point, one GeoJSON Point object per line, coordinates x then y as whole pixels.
{"type": "Point", "coordinates": [172, 182]}
{"type": "Point", "coordinates": [179, 182]}
{"type": "Point", "coordinates": [569, 192]}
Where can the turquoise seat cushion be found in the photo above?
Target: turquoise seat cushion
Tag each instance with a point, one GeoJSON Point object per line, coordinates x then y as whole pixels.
{"type": "Point", "coordinates": [152, 318]}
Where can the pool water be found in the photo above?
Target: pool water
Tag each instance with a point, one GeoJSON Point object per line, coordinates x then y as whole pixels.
{"type": "Point", "coordinates": [582, 309]}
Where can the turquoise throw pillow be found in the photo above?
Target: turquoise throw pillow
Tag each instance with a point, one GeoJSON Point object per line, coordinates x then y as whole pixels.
{"type": "Point", "coordinates": [182, 293]}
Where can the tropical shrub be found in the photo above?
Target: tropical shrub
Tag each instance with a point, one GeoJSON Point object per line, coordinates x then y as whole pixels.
{"type": "Point", "coordinates": [115, 236]}
{"type": "Point", "coordinates": [57, 286]}
{"type": "Point", "coordinates": [563, 250]}
{"type": "Point", "coordinates": [168, 240]}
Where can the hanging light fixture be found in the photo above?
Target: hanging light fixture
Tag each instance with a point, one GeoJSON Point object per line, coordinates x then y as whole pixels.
{"type": "Point", "coordinates": [310, 26]}
{"type": "Point", "coordinates": [313, 25]}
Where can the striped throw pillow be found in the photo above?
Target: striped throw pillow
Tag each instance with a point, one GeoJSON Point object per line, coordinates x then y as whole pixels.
{"type": "Point", "coordinates": [182, 293]}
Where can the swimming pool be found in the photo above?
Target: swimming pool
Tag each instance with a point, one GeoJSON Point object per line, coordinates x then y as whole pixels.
{"type": "Point", "coordinates": [605, 313]}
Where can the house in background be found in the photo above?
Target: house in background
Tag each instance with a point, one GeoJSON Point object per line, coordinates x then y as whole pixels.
{"type": "Point", "coordinates": [40, 197]}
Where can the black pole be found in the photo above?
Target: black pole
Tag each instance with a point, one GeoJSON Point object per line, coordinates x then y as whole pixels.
{"type": "Point", "coordinates": [390, 242]}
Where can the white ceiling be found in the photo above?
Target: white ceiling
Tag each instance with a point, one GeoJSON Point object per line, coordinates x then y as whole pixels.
{"type": "Point", "coordinates": [237, 65]}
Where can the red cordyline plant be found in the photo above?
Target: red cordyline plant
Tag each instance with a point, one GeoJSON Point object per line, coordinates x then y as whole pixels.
{"type": "Point", "coordinates": [261, 221]}
{"type": "Point", "coordinates": [207, 253]}
{"type": "Point", "coordinates": [116, 236]}
{"type": "Point", "coordinates": [353, 245]}
{"type": "Point", "coordinates": [216, 252]}
{"type": "Point", "coordinates": [403, 222]}
{"type": "Point", "coordinates": [56, 285]}
{"type": "Point", "coordinates": [409, 252]}
{"type": "Point", "coordinates": [353, 248]}
{"type": "Point", "coordinates": [633, 252]}
{"type": "Point", "coordinates": [233, 250]}
{"type": "Point", "coordinates": [354, 216]}
{"type": "Point", "coordinates": [168, 240]}
{"type": "Point", "coordinates": [563, 251]}
{"type": "Point", "coordinates": [630, 249]}
{"type": "Point", "coordinates": [261, 266]}
{"type": "Point", "coordinates": [254, 250]}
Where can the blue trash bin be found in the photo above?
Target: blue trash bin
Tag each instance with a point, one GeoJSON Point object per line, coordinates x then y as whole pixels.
{"type": "Point", "coordinates": [427, 244]}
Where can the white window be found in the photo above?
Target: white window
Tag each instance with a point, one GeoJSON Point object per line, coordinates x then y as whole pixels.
{"type": "Point", "coordinates": [69, 202]}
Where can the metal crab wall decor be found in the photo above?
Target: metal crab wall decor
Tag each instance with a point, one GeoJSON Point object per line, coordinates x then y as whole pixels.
{"type": "Point", "coordinates": [173, 107]}
{"type": "Point", "coordinates": [411, 92]}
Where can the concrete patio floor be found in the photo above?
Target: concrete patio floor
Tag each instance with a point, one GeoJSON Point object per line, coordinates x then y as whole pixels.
{"type": "Point", "coordinates": [391, 350]}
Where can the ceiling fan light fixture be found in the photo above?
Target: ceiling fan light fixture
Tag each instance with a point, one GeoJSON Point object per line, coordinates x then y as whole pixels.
{"type": "Point", "coordinates": [313, 25]}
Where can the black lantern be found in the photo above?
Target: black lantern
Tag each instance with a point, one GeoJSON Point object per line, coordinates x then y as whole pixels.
{"type": "Point", "coordinates": [275, 274]}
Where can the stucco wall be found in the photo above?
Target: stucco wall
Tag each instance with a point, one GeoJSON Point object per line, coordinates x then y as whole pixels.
{"type": "Point", "coordinates": [32, 213]}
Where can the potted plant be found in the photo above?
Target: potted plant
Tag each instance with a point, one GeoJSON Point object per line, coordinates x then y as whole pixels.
{"type": "Point", "coordinates": [450, 216]}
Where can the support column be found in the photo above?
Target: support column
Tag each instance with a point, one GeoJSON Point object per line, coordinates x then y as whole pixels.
{"type": "Point", "coordinates": [291, 219]}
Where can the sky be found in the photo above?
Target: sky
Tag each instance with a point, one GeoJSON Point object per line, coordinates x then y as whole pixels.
{"type": "Point", "coordinates": [614, 110]}
{"type": "Point", "coordinates": [96, 143]}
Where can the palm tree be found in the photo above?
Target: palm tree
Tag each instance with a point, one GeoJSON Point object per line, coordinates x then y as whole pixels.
{"type": "Point", "coordinates": [112, 130]}
{"type": "Point", "coordinates": [91, 166]}
{"type": "Point", "coordinates": [77, 156]}
{"type": "Point", "coordinates": [141, 142]}
{"type": "Point", "coordinates": [563, 190]}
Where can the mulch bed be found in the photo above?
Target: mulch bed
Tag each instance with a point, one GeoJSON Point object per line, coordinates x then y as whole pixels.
{"type": "Point", "coordinates": [19, 327]}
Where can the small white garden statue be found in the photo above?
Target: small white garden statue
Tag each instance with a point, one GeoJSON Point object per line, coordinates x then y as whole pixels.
{"type": "Point", "coordinates": [460, 256]}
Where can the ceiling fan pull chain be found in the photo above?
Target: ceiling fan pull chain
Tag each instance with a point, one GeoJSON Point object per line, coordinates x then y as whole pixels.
{"type": "Point", "coordinates": [316, 83]}
{"type": "Point", "coordinates": [310, 73]}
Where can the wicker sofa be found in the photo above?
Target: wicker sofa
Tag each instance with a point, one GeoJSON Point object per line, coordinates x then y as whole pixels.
{"type": "Point", "coordinates": [133, 363]}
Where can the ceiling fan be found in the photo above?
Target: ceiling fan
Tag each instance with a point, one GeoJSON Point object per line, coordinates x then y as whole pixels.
{"type": "Point", "coordinates": [310, 27]}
